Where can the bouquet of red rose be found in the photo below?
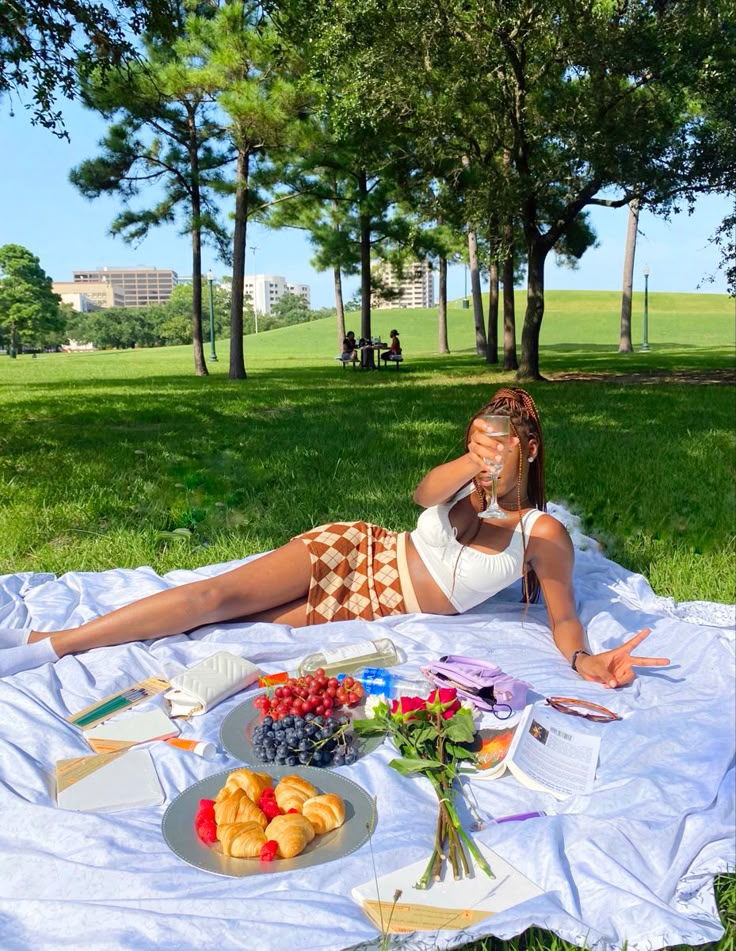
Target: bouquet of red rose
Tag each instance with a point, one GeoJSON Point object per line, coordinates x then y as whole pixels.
{"type": "Point", "coordinates": [434, 736]}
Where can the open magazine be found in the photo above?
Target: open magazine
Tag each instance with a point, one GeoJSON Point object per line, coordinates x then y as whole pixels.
{"type": "Point", "coordinates": [542, 752]}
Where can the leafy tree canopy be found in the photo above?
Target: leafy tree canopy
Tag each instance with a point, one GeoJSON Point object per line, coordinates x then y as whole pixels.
{"type": "Point", "coordinates": [45, 43]}
{"type": "Point", "coordinates": [29, 309]}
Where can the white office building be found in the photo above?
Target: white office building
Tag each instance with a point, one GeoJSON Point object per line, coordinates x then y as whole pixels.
{"type": "Point", "coordinates": [265, 290]}
{"type": "Point", "coordinates": [414, 288]}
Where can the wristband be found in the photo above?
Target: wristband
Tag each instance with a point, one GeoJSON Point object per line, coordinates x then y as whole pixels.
{"type": "Point", "coordinates": [574, 658]}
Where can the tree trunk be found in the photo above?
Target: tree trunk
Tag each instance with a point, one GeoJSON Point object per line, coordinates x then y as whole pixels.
{"type": "Point", "coordinates": [510, 361]}
{"type": "Point", "coordinates": [200, 367]}
{"type": "Point", "coordinates": [480, 330]}
{"type": "Point", "coordinates": [237, 358]}
{"type": "Point", "coordinates": [529, 368]}
{"type": "Point", "coordinates": [442, 344]}
{"type": "Point", "coordinates": [492, 350]}
{"type": "Point", "coordinates": [624, 336]}
{"type": "Point", "coordinates": [339, 309]}
{"type": "Point", "coordinates": [365, 258]}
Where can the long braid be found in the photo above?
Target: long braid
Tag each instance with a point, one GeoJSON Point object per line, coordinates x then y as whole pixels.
{"type": "Point", "coordinates": [520, 407]}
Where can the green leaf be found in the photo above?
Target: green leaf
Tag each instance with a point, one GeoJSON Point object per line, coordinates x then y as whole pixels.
{"type": "Point", "coordinates": [407, 766]}
{"type": "Point", "coordinates": [460, 729]}
{"type": "Point", "coordinates": [369, 727]}
{"type": "Point", "coordinates": [459, 752]}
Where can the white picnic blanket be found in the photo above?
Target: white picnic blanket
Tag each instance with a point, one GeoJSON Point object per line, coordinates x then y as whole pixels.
{"type": "Point", "coordinates": [633, 862]}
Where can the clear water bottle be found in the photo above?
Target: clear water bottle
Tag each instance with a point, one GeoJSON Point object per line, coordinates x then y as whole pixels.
{"type": "Point", "coordinates": [381, 652]}
{"type": "Point", "coordinates": [391, 684]}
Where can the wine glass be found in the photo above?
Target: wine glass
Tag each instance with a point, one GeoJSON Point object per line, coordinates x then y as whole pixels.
{"type": "Point", "coordinates": [498, 428]}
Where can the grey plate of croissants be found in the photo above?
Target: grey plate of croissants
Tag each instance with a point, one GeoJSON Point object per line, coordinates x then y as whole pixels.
{"type": "Point", "coordinates": [324, 816]}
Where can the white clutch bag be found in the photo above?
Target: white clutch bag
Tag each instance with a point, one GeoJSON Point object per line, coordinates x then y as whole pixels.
{"type": "Point", "coordinates": [200, 688]}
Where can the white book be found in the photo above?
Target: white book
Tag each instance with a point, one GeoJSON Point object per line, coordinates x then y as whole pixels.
{"type": "Point", "coordinates": [542, 752]}
{"type": "Point", "coordinates": [108, 782]}
{"type": "Point", "coordinates": [447, 904]}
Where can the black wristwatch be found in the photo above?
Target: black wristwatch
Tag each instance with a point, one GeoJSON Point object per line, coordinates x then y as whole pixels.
{"type": "Point", "coordinates": [574, 658]}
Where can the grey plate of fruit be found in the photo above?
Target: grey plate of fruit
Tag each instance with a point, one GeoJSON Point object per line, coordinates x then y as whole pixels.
{"type": "Point", "coordinates": [324, 741]}
{"type": "Point", "coordinates": [178, 826]}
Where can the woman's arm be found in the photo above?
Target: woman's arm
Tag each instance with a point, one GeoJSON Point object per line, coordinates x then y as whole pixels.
{"type": "Point", "coordinates": [441, 483]}
{"type": "Point", "coordinates": [552, 557]}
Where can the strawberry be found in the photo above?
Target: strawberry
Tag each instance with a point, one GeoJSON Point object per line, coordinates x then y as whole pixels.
{"type": "Point", "coordinates": [268, 851]}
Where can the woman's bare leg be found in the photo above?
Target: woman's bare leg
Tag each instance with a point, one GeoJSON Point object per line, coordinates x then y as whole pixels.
{"type": "Point", "coordinates": [279, 580]}
{"type": "Point", "coordinates": [294, 614]}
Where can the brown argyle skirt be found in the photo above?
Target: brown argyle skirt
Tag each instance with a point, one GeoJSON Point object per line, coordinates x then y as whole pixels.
{"type": "Point", "coordinates": [355, 574]}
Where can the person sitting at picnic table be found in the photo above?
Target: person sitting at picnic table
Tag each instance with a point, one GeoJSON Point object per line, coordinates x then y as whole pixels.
{"type": "Point", "coordinates": [394, 349]}
{"type": "Point", "coordinates": [349, 348]}
{"type": "Point", "coordinates": [452, 561]}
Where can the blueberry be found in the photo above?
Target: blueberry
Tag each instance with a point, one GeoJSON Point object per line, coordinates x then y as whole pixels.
{"type": "Point", "coordinates": [350, 757]}
{"type": "Point", "coordinates": [309, 717]}
{"type": "Point", "coordinates": [331, 724]}
{"type": "Point", "coordinates": [319, 720]}
{"type": "Point", "coordinates": [298, 718]}
{"type": "Point", "coordinates": [288, 721]}
{"type": "Point", "coordinates": [344, 720]}
{"type": "Point", "coordinates": [292, 761]}
{"type": "Point", "coordinates": [304, 745]}
{"type": "Point", "coordinates": [267, 721]}
{"type": "Point", "coordinates": [317, 758]}
{"type": "Point", "coordinates": [338, 760]}
{"type": "Point", "coordinates": [305, 758]}
{"type": "Point", "coordinates": [311, 729]}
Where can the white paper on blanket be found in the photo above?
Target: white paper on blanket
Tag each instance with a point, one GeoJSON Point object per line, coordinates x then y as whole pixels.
{"type": "Point", "coordinates": [108, 782]}
{"type": "Point", "coordinates": [203, 686]}
{"type": "Point", "coordinates": [130, 728]}
{"type": "Point", "coordinates": [449, 904]}
{"type": "Point", "coordinates": [547, 755]}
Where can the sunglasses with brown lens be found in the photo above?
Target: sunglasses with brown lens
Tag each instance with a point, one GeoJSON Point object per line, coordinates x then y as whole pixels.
{"type": "Point", "coordinates": [582, 708]}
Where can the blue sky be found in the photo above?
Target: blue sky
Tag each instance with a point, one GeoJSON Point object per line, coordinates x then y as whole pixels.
{"type": "Point", "coordinates": [42, 211]}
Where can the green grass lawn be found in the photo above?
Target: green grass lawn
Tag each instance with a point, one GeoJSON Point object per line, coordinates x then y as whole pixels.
{"type": "Point", "coordinates": [103, 452]}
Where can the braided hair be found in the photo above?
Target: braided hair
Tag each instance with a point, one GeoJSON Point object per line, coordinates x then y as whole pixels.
{"type": "Point", "coordinates": [519, 406]}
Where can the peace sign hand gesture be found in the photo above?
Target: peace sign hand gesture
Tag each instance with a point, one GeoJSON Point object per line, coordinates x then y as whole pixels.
{"type": "Point", "coordinates": [615, 668]}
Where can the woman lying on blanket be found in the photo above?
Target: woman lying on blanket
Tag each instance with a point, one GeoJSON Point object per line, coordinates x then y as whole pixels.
{"type": "Point", "coordinates": [451, 562]}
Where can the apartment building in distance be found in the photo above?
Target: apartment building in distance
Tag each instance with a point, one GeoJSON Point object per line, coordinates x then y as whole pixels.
{"type": "Point", "coordinates": [94, 295]}
{"type": "Point", "coordinates": [265, 290]}
{"type": "Point", "coordinates": [138, 286]}
{"type": "Point", "coordinates": [414, 289]}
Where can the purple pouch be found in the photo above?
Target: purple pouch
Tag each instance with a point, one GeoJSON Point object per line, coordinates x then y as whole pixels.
{"type": "Point", "coordinates": [480, 681]}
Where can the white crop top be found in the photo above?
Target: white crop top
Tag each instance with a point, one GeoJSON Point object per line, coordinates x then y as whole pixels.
{"type": "Point", "coordinates": [465, 575]}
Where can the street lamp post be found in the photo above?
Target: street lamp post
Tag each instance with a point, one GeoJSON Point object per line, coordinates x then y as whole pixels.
{"type": "Point", "coordinates": [645, 328]}
{"type": "Point", "coordinates": [255, 308]}
{"type": "Point", "coordinates": [213, 355]}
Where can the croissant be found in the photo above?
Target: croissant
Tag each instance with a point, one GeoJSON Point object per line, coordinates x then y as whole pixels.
{"type": "Point", "coordinates": [242, 840]}
{"type": "Point", "coordinates": [237, 807]}
{"type": "Point", "coordinates": [292, 832]}
{"type": "Point", "coordinates": [293, 791]}
{"type": "Point", "coordinates": [326, 812]}
{"type": "Point", "coordinates": [253, 783]}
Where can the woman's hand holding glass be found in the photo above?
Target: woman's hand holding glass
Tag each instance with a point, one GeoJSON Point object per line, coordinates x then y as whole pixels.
{"type": "Point", "coordinates": [483, 447]}
{"type": "Point", "coordinates": [492, 448]}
